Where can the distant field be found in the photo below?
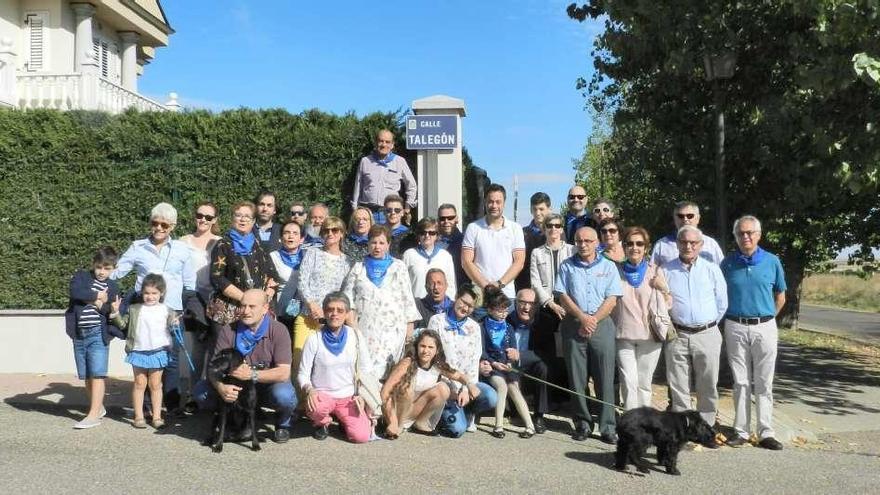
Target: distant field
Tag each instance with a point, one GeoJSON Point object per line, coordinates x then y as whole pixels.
{"type": "Point", "coordinates": [843, 291]}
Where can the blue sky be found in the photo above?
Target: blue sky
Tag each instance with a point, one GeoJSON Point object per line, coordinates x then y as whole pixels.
{"type": "Point", "coordinates": [514, 64]}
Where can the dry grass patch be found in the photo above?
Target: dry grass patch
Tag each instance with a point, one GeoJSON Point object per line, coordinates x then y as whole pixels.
{"type": "Point", "coordinates": [865, 353]}
{"type": "Point", "coordinates": [843, 291]}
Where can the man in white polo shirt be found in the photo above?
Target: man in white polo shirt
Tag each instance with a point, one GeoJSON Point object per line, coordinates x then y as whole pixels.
{"type": "Point", "coordinates": [493, 250]}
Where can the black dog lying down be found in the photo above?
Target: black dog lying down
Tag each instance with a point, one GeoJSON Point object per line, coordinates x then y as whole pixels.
{"type": "Point", "coordinates": [640, 428]}
{"type": "Point", "coordinates": [232, 419]}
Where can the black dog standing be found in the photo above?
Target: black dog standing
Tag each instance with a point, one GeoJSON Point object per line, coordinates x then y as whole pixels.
{"type": "Point", "coordinates": [640, 428]}
{"type": "Point", "coordinates": [233, 418]}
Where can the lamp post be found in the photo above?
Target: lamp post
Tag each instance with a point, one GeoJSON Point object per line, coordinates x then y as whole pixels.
{"type": "Point", "coordinates": [719, 66]}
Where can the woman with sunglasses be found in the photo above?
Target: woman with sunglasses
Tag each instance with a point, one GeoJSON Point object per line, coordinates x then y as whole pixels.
{"type": "Point", "coordinates": [172, 259]}
{"type": "Point", "coordinates": [637, 350]}
{"type": "Point", "coordinates": [354, 245]}
{"type": "Point", "coordinates": [239, 262]}
{"type": "Point", "coordinates": [428, 254]}
{"type": "Point", "coordinates": [609, 236]}
{"type": "Point", "coordinates": [383, 307]}
{"type": "Point", "coordinates": [603, 209]}
{"type": "Point", "coordinates": [322, 271]}
{"type": "Point", "coordinates": [542, 270]}
{"type": "Point", "coordinates": [201, 242]}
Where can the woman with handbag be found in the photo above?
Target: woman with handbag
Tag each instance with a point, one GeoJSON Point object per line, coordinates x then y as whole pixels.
{"type": "Point", "coordinates": [238, 263]}
{"type": "Point", "coordinates": [328, 374]}
{"type": "Point", "coordinates": [644, 295]}
{"type": "Point", "coordinates": [383, 307]}
{"type": "Point", "coordinates": [287, 260]}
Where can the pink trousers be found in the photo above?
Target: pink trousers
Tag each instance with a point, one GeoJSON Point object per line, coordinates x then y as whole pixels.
{"type": "Point", "coordinates": [357, 425]}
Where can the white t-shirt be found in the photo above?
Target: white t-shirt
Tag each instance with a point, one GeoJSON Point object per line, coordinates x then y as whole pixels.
{"type": "Point", "coordinates": [152, 328]}
{"type": "Point", "coordinates": [326, 372]}
{"type": "Point", "coordinates": [493, 249]}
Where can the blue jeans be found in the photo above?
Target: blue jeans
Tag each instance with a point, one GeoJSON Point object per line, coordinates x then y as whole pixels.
{"type": "Point", "coordinates": [277, 396]}
{"type": "Point", "coordinates": [90, 353]}
{"type": "Point", "coordinates": [454, 421]}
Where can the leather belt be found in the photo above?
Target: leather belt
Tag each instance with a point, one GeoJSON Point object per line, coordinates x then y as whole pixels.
{"type": "Point", "coordinates": [749, 320]}
{"type": "Point", "coordinates": [696, 329]}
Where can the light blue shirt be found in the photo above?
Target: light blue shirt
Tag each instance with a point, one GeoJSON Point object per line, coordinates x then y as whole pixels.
{"type": "Point", "coordinates": [588, 286]}
{"type": "Point", "coordinates": [699, 295]}
{"type": "Point", "coordinates": [666, 250]}
{"type": "Point", "coordinates": [173, 261]}
{"type": "Point", "coordinates": [752, 289]}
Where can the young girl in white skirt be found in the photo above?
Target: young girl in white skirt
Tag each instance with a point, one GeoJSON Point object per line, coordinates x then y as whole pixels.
{"type": "Point", "coordinates": [147, 326]}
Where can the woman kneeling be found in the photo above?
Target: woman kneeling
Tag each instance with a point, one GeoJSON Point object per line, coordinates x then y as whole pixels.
{"type": "Point", "coordinates": [327, 374]}
{"type": "Point", "coordinates": [415, 392]}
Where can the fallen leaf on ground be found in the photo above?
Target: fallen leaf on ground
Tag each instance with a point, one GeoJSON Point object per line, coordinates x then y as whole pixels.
{"type": "Point", "coordinates": [804, 420]}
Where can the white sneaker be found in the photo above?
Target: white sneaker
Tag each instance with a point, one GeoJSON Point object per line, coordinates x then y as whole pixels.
{"type": "Point", "coordinates": [87, 423]}
{"type": "Point", "coordinates": [102, 413]}
{"type": "Point", "coordinates": [472, 424]}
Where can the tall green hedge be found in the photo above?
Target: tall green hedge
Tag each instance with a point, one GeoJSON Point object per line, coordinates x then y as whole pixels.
{"type": "Point", "coordinates": [70, 182]}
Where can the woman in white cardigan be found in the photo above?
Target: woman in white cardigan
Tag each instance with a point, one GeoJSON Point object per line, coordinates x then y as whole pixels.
{"type": "Point", "coordinates": [545, 264]}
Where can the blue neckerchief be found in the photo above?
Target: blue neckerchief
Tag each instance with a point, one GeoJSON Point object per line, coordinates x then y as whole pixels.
{"type": "Point", "coordinates": [245, 340]}
{"type": "Point", "coordinates": [445, 240]}
{"type": "Point", "coordinates": [452, 324]}
{"type": "Point", "coordinates": [311, 240]}
{"type": "Point", "coordinates": [600, 248]}
{"type": "Point", "coordinates": [377, 269]}
{"type": "Point", "coordinates": [437, 308]}
{"type": "Point", "coordinates": [385, 161]}
{"type": "Point", "coordinates": [517, 324]}
{"type": "Point", "coordinates": [752, 260]}
{"type": "Point", "coordinates": [571, 220]}
{"type": "Point", "coordinates": [360, 240]}
{"type": "Point", "coordinates": [242, 244]}
{"type": "Point", "coordinates": [291, 259]}
{"type": "Point", "coordinates": [635, 274]}
{"type": "Point", "coordinates": [334, 343]}
{"type": "Point", "coordinates": [429, 257]}
{"type": "Point", "coordinates": [497, 329]}
{"type": "Point", "coordinates": [399, 230]}
{"type": "Point", "coordinates": [534, 228]}
{"type": "Point", "coordinates": [576, 259]}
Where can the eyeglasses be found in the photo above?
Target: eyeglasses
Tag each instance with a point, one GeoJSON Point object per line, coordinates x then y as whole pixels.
{"type": "Point", "coordinates": [525, 303]}
{"type": "Point", "coordinates": [601, 210]}
{"type": "Point", "coordinates": [634, 243]}
{"type": "Point", "coordinates": [608, 231]}
{"type": "Point", "coordinates": [161, 225]}
{"type": "Point", "coordinates": [448, 218]}
{"type": "Point", "coordinates": [297, 213]}
{"type": "Point", "coordinates": [682, 216]}
{"type": "Point", "coordinates": [689, 243]}
{"type": "Point", "coordinates": [202, 216]}
{"type": "Point", "coordinates": [553, 225]}
{"type": "Point", "coordinates": [242, 216]}
{"type": "Point", "coordinates": [747, 233]}
{"type": "Point", "coordinates": [576, 196]}
{"type": "Point", "coordinates": [585, 241]}
{"type": "Point", "coordinates": [429, 233]}
{"type": "Point", "coordinates": [331, 230]}
{"type": "Point", "coordinates": [393, 210]}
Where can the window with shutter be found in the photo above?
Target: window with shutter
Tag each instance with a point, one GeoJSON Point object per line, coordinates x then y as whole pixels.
{"type": "Point", "coordinates": [35, 29]}
{"type": "Point", "coordinates": [107, 55]}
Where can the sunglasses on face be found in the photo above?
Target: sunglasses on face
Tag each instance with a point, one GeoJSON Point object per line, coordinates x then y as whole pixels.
{"type": "Point", "coordinates": [447, 218]}
{"type": "Point", "coordinates": [609, 231]}
{"type": "Point", "coordinates": [393, 210]}
{"type": "Point", "coordinates": [429, 233]}
{"type": "Point", "coordinates": [332, 230]}
{"type": "Point", "coordinates": [682, 216]}
{"type": "Point", "coordinates": [204, 216]}
{"type": "Point", "coordinates": [635, 244]}
{"type": "Point", "coordinates": [297, 213]}
{"type": "Point", "coordinates": [576, 196]}
{"type": "Point", "coordinates": [601, 210]}
{"type": "Point", "coordinates": [554, 225]}
{"type": "Point", "coordinates": [161, 225]}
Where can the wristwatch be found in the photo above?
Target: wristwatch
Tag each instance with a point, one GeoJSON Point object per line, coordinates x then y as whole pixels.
{"type": "Point", "coordinates": [501, 284]}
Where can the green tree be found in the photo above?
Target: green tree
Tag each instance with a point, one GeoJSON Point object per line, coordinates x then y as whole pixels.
{"type": "Point", "coordinates": [802, 147]}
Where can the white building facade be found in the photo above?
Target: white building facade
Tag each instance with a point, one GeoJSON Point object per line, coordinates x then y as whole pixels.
{"type": "Point", "coordinates": [71, 55]}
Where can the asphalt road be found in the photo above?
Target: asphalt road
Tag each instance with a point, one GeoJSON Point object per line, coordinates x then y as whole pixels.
{"type": "Point", "coordinates": [40, 453]}
{"type": "Point", "coordinates": [856, 324]}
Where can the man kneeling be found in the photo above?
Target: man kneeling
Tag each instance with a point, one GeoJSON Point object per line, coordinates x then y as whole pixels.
{"type": "Point", "coordinates": [264, 343]}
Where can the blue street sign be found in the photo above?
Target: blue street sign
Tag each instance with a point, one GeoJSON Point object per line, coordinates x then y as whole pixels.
{"type": "Point", "coordinates": [431, 132]}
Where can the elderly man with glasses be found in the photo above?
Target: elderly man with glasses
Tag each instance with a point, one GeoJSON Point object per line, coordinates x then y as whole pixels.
{"type": "Point", "coordinates": [699, 301]}
{"type": "Point", "coordinates": [381, 174]}
{"type": "Point", "coordinates": [666, 248]}
{"type": "Point", "coordinates": [756, 290]}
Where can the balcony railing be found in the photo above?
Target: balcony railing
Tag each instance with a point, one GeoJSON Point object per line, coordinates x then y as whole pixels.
{"type": "Point", "coordinates": [76, 91]}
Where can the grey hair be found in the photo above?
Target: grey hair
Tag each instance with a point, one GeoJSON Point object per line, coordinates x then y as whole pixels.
{"type": "Point", "coordinates": [336, 296]}
{"type": "Point", "coordinates": [746, 218]}
{"type": "Point", "coordinates": [688, 228]}
{"type": "Point", "coordinates": [607, 201]}
{"type": "Point", "coordinates": [685, 204]}
{"type": "Point", "coordinates": [164, 211]}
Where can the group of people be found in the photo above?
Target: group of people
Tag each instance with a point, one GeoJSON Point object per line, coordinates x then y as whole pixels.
{"type": "Point", "coordinates": [422, 327]}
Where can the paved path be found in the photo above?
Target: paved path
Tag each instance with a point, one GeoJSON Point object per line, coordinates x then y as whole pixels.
{"type": "Point", "coordinates": [854, 324]}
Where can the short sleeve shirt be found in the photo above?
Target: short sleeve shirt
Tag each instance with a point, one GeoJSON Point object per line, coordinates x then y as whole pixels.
{"type": "Point", "coordinates": [588, 284]}
{"type": "Point", "coordinates": [272, 350]}
{"type": "Point", "coordinates": [751, 289]}
{"type": "Point", "coordinates": [493, 249]}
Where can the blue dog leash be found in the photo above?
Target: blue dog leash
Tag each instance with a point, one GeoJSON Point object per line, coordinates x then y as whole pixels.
{"type": "Point", "coordinates": [178, 335]}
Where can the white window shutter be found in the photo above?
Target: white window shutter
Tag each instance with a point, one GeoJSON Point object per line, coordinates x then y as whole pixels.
{"type": "Point", "coordinates": [36, 32]}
